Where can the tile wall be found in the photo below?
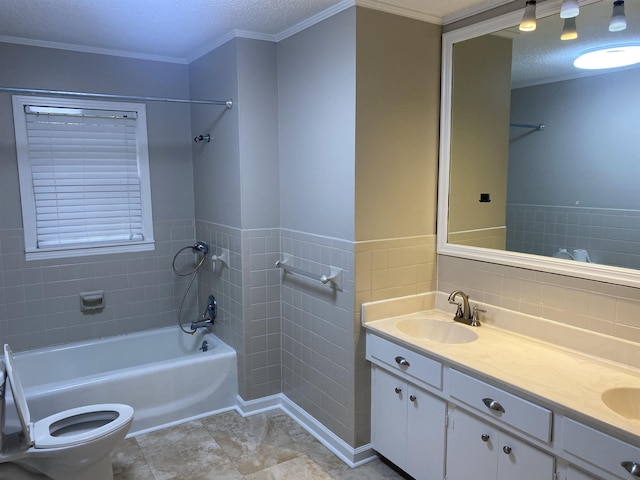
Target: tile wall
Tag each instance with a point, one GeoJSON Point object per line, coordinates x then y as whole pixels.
{"type": "Point", "coordinates": [611, 236]}
{"type": "Point", "coordinates": [318, 364]}
{"type": "Point", "coordinates": [592, 305]}
{"type": "Point", "coordinates": [39, 299]}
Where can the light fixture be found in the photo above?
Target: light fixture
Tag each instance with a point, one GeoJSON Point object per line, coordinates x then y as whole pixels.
{"type": "Point", "coordinates": [618, 21]}
{"type": "Point", "coordinates": [569, 9]}
{"type": "Point", "coordinates": [569, 31]}
{"type": "Point", "coordinates": [609, 57]}
{"type": "Point", "coordinates": [528, 23]}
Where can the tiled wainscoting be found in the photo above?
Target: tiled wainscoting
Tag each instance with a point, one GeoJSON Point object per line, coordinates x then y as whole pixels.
{"type": "Point", "coordinates": [611, 236]}
{"type": "Point", "coordinates": [40, 303]}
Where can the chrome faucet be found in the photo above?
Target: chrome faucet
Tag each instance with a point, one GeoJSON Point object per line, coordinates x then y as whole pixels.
{"type": "Point", "coordinates": [463, 311]}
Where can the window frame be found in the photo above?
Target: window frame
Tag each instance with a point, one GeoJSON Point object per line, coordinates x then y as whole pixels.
{"type": "Point", "coordinates": [28, 206]}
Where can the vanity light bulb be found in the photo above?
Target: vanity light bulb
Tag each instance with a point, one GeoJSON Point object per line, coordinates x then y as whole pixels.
{"type": "Point", "coordinates": [569, 31]}
{"type": "Point", "coordinates": [569, 9]}
{"type": "Point", "coordinates": [618, 21]}
{"type": "Point", "coordinates": [528, 23]}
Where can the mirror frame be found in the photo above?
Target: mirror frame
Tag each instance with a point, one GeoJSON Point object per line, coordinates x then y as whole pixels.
{"type": "Point", "coordinates": [591, 271]}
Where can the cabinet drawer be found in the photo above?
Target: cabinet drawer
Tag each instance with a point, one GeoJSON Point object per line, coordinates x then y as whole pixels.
{"type": "Point", "coordinates": [527, 417]}
{"type": "Point", "coordinates": [598, 448]}
{"type": "Point", "coordinates": [420, 368]}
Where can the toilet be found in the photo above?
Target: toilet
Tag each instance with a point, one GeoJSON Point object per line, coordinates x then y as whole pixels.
{"type": "Point", "coordinates": [70, 445]}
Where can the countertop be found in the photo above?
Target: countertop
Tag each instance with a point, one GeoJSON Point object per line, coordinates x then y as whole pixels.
{"type": "Point", "coordinates": [559, 377]}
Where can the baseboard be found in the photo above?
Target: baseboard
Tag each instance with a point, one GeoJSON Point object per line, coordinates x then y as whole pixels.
{"type": "Point", "coordinates": [353, 457]}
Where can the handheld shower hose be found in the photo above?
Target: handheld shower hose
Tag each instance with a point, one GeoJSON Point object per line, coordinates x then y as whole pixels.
{"type": "Point", "coordinates": [202, 249]}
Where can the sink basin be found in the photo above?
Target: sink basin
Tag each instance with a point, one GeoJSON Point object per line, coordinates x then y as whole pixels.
{"type": "Point", "coordinates": [624, 401]}
{"type": "Point", "coordinates": [436, 330]}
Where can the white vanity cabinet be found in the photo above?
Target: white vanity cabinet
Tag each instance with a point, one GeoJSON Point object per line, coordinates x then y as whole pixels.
{"type": "Point", "coordinates": [407, 425]}
{"type": "Point", "coordinates": [575, 474]}
{"type": "Point", "coordinates": [607, 455]}
{"type": "Point", "coordinates": [477, 449]}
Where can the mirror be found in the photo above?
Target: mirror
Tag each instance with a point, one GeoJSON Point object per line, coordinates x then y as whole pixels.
{"type": "Point", "coordinates": [540, 161]}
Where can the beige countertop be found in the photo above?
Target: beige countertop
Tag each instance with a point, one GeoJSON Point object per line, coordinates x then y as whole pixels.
{"type": "Point", "coordinates": [564, 379]}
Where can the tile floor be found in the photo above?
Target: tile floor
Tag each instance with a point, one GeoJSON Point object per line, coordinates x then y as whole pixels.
{"type": "Point", "coordinates": [266, 446]}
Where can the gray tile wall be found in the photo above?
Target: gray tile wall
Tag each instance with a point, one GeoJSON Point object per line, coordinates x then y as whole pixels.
{"type": "Point", "coordinates": [39, 299]}
{"type": "Point", "coordinates": [611, 236]}
{"type": "Point", "coordinates": [318, 358]}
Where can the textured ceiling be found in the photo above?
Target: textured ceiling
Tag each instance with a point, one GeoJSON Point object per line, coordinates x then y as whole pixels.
{"type": "Point", "coordinates": [541, 57]}
{"type": "Point", "coordinates": [182, 30]}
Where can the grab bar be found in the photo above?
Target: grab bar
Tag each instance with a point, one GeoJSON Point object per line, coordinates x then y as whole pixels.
{"type": "Point", "coordinates": [334, 278]}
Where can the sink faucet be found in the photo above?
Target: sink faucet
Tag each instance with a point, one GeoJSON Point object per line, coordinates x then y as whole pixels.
{"type": "Point", "coordinates": [463, 312]}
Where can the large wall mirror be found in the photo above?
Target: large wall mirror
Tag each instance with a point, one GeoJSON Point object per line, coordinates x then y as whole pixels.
{"type": "Point", "coordinates": [540, 160]}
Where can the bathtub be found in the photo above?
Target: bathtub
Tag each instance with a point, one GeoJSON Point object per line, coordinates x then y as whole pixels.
{"type": "Point", "coordinates": [161, 373]}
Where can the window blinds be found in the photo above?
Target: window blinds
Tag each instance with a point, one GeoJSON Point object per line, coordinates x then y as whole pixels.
{"type": "Point", "coordinates": [85, 176]}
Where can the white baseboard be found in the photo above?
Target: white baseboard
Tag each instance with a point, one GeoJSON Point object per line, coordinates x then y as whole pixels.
{"type": "Point", "coordinates": [354, 457]}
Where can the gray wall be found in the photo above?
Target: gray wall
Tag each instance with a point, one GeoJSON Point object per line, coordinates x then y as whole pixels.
{"type": "Point", "coordinates": [216, 166]}
{"type": "Point", "coordinates": [39, 299]}
{"type": "Point", "coordinates": [574, 184]}
{"type": "Point", "coordinates": [588, 153]}
{"type": "Point", "coordinates": [316, 87]}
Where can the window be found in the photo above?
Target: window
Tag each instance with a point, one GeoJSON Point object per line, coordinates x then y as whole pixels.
{"type": "Point", "coordinates": [84, 176]}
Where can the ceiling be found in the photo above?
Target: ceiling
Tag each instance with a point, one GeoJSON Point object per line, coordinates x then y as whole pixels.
{"type": "Point", "coordinates": [541, 57]}
{"type": "Point", "coordinates": [183, 30]}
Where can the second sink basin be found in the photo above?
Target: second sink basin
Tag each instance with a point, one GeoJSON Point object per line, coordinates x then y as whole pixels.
{"type": "Point", "coordinates": [436, 330]}
{"type": "Point", "coordinates": [624, 401]}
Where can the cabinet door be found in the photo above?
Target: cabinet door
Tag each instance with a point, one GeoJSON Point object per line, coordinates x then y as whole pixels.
{"type": "Point", "coordinates": [425, 435]}
{"type": "Point", "coordinates": [520, 461]}
{"type": "Point", "coordinates": [389, 397]}
{"type": "Point", "coordinates": [575, 474]}
{"type": "Point", "coordinates": [471, 448]}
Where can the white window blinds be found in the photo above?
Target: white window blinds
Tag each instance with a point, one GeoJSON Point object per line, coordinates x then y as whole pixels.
{"type": "Point", "coordinates": [84, 175]}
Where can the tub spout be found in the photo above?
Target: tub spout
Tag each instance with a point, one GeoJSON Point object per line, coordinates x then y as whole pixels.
{"type": "Point", "coordinates": [204, 323]}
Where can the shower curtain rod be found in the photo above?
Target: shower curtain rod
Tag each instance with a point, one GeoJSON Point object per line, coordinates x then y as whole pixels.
{"type": "Point", "coordinates": [35, 91]}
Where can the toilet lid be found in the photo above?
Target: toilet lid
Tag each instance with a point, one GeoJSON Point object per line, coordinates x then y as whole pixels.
{"type": "Point", "coordinates": [18, 395]}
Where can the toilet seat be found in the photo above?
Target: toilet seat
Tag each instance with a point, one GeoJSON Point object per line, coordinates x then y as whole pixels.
{"type": "Point", "coordinates": [70, 427]}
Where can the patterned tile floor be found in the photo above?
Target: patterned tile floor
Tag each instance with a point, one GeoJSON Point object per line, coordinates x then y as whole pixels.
{"type": "Point", "coordinates": [267, 446]}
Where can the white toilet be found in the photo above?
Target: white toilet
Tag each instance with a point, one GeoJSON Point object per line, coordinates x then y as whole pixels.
{"type": "Point", "coordinates": [70, 445]}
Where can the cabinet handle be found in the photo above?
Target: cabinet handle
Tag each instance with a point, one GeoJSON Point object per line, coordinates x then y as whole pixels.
{"type": "Point", "coordinates": [632, 467]}
{"type": "Point", "coordinates": [506, 450]}
{"type": "Point", "coordinates": [398, 390]}
{"type": "Point", "coordinates": [485, 437]}
{"type": "Point", "coordinates": [413, 398]}
{"type": "Point", "coordinates": [493, 405]}
{"type": "Point", "coordinates": [402, 362]}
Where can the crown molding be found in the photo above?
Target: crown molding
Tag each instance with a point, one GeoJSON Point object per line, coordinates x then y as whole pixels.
{"type": "Point", "coordinates": [400, 11]}
{"type": "Point", "coordinates": [86, 49]}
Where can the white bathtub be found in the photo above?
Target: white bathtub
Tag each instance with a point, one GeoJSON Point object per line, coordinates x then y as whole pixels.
{"type": "Point", "coordinates": [161, 373]}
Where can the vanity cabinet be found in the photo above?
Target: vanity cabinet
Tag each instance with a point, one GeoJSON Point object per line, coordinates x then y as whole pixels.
{"type": "Point", "coordinates": [407, 425]}
{"type": "Point", "coordinates": [477, 449]}
{"type": "Point", "coordinates": [607, 454]}
{"type": "Point", "coordinates": [575, 474]}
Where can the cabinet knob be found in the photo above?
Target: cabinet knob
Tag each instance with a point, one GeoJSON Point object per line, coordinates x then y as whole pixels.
{"type": "Point", "coordinates": [402, 362]}
{"type": "Point", "coordinates": [493, 405]}
{"type": "Point", "coordinates": [506, 450]}
{"type": "Point", "coordinates": [485, 438]}
{"type": "Point", "coordinates": [398, 390]}
{"type": "Point", "coordinates": [413, 398]}
{"type": "Point", "coordinates": [632, 467]}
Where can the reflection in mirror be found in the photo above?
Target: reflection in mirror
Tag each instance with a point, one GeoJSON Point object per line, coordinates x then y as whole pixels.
{"type": "Point", "coordinates": [542, 158]}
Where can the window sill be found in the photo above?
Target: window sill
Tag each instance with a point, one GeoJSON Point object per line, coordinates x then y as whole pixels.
{"type": "Point", "coordinates": [83, 252]}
